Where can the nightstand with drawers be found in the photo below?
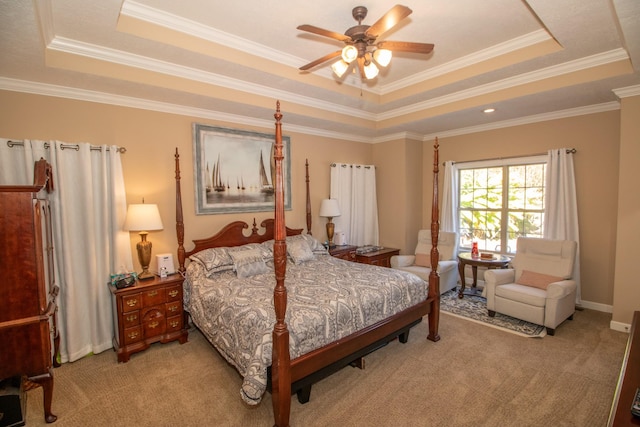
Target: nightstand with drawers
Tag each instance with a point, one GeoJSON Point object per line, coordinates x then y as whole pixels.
{"type": "Point", "coordinates": [346, 252]}
{"type": "Point", "coordinates": [149, 311]}
{"type": "Point", "coordinates": [381, 257]}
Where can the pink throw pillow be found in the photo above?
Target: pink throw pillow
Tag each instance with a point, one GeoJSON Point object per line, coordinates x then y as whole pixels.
{"type": "Point", "coordinates": [537, 280]}
{"type": "Point", "coordinates": [423, 260]}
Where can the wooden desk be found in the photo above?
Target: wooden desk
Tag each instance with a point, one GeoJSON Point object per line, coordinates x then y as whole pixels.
{"type": "Point", "coordinates": [464, 258]}
{"type": "Point", "coordinates": [628, 381]}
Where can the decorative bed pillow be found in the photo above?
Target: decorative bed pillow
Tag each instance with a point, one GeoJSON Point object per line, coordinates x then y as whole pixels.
{"type": "Point", "coordinates": [214, 259]}
{"type": "Point", "coordinates": [536, 280]}
{"type": "Point", "coordinates": [315, 245]}
{"type": "Point", "coordinates": [265, 250]}
{"type": "Point", "coordinates": [248, 263]}
{"type": "Point", "coordinates": [299, 251]}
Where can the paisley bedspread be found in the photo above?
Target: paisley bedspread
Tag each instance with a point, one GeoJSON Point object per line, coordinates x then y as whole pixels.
{"type": "Point", "coordinates": [328, 299]}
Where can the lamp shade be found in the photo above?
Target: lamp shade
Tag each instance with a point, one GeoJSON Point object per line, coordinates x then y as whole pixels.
{"type": "Point", "coordinates": [329, 208]}
{"type": "Point", "coordinates": [143, 217]}
{"type": "Point", "coordinates": [382, 57]}
{"type": "Point", "coordinates": [340, 67]}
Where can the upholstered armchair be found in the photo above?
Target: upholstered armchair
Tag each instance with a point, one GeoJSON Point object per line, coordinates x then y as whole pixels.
{"type": "Point", "coordinates": [538, 288]}
{"type": "Point", "coordinates": [420, 263]}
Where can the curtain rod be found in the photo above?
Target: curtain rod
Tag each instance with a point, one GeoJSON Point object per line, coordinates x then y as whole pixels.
{"type": "Point", "coordinates": [76, 147]}
{"type": "Point", "coordinates": [569, 151]}
{"type": "Point", "coordinates": [333, 165]}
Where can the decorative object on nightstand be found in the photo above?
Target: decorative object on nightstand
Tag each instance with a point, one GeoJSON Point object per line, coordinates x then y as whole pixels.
{"type": "Point", "coordinates": [148, 312]}
{"type": "Point", "coordinates": [143, 218]}
{"type": "Point", "coordinates": [329, 209]}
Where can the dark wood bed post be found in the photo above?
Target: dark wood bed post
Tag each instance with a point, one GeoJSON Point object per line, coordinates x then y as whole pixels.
{"type": "Point", "coordinates": [306, 166]}
{"type": "Point", "coordinates": [179, 218]}
{"type": "Point", "coordinates": [434, 276]}
{"type": "Point", "coordinates": [280, 359]}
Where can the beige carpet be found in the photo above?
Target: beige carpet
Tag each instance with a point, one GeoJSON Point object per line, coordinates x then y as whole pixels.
{"type": "Point", "coordinates": [475, 376]}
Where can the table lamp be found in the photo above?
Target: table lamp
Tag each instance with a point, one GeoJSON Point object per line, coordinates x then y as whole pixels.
{"type": "Point", "coordinates": [143, 218]}
{"type": "Point", "coordinates": [329, 209]}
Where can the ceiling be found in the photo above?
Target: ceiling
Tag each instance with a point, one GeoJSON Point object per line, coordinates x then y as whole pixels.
{"type": "Point", "coordinates": [530, 60]}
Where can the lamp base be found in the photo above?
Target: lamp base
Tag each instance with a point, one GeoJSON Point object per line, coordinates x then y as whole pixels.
{"type": "Point", "coordinates": [330, 229]}
{"type": "Point", "coordinates": [144, 256]}
{"type": "Point", "coordinates": [145, 275]}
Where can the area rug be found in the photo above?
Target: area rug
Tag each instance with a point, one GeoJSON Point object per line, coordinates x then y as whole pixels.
{"type": "Point", "coordinates": [474, 308]}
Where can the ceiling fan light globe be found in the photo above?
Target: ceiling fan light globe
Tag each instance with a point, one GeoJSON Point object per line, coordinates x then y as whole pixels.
{"type": "Point", "coordinates": [371, 71]}
{"type": "Point", "coordinates": [382, 57]}
{"type": "Point", "coordinates": [349, 54]}
{"type": "Point", "coordinates": [339, 67]}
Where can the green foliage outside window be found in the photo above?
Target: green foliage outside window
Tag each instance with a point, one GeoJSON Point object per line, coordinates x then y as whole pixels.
{"type": "Point", "coordinates": [500, 204]}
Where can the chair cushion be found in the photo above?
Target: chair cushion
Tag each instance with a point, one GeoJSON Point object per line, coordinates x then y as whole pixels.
{"type": "Point", "coordinates": [447, 243]}
{"type": "Point", "coordinates": [537, 280]}
{"type": "Point", "coordinates": [522, 293]}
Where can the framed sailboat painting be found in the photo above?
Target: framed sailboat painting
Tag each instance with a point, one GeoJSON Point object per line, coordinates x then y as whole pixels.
{"type": "Point", "coordinates": [234, 170]}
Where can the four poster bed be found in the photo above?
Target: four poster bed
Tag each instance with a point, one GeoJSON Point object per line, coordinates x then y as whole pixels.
{"type": "Point", "coordinates": [329, 313]}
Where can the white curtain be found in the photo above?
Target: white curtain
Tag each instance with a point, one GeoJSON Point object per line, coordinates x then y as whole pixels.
{"type": "Point", "coordinates": [354, 186]}
{"type": "Point", "coordinates": [449, 208]}
{"type": "Point", "coordinates": [88, 210]}
{"type": "Point", "coordinates": [561, 206]}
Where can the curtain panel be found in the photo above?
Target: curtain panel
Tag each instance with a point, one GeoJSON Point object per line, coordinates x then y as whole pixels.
{"type": "Point", "coordinates": [561, 205]}
{"type": "Point", "coordinates": [88, 207]}
{"type": "Point", "coordinates": [354, 186]}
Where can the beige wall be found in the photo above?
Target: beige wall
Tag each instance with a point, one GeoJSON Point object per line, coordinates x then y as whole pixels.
{"type": "Point", "coordinates": [626, 295]}
{"type": "Point", "coordinates": [399, 189]}
{"type": "Point", "coordinates": [403, 170]}
{"type": "Point", "coordinates": [148, 165]}
{"type": "Point", "coordinates": [596, 137]}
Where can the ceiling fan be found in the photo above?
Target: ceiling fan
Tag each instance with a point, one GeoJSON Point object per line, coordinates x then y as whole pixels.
{"type": "Point", "coordinates": [362, 45]}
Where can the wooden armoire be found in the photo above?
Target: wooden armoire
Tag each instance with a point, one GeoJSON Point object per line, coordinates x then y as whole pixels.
{"type": "Point", "coordinates": [28, 332]}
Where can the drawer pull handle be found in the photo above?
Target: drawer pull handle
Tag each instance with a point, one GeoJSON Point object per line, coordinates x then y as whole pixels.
{"type": "Point", "coordinates": [132, 302]}
{"type": "Point", "coordinates": [152, 293]}
{"type": "Point", "coordinates": [153, 325]}
{"type": "Point", "coordinates": [174, 324]}
{"type": "Point", "coordinates": [173, 308]}
{"type": "Point", "coordinates": [132, 318]}
{"type": "Point", "coordinates": [133, 335]}
{"type": "Point", "coordinates": [173, 293]}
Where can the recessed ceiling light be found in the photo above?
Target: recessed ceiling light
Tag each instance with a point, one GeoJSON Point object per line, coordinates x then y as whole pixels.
{"type": "Point", "coordinates": [489, 110]}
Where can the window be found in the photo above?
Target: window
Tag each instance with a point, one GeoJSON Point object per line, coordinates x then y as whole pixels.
{"type": "Point", "coordinates": [500, 202]}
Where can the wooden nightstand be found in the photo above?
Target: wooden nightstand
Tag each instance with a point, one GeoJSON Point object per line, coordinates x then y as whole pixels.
{"type": "Point", "coordinates": [381, 257]}
{"type": "Point", "coordinates": [346, 252]}
{"type": "Point", "coordinates": [148, 312]}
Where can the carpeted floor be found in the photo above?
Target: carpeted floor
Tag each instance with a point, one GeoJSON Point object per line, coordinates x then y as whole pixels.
{"type": "Point", "coordinates": [474, 376]}
{"type": "Point", "coordinates": [474, 308]}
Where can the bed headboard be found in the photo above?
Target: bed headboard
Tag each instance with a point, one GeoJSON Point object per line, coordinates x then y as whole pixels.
{"type": "Point", "coordinates": [233, 233]}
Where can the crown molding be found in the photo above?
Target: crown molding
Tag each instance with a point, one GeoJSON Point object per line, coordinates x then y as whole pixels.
{"type": "Point", "coordinates": [628, 91]}
{"type": "Point", "coordinates": [45, 89]}
{"type": "Point", "coordinates": [555, 115]}
{"type": "Point", "coordinates": [101, 53]}
{"type": "Point", "coordinates": [509, 83]}
{"type": "Point", "coordinates": [483, 55]}
{"type": "Point", "coordinates": [130, 102]}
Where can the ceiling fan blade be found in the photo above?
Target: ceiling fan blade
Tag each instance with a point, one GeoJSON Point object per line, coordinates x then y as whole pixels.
{"type": "Point", "coordinates": [323, 32]}
{"type": "Point", "coordinates": [361, 67]}
{"type": "Point", "coordinates": [406, 46]}
{"type": "Point", "coordinates": [320, 60]}
{"type": "Point", "coordinates": [389, 20]}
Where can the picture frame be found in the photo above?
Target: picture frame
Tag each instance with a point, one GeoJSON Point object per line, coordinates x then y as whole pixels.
{"type": "Point", "coordinates": [234, 170]}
